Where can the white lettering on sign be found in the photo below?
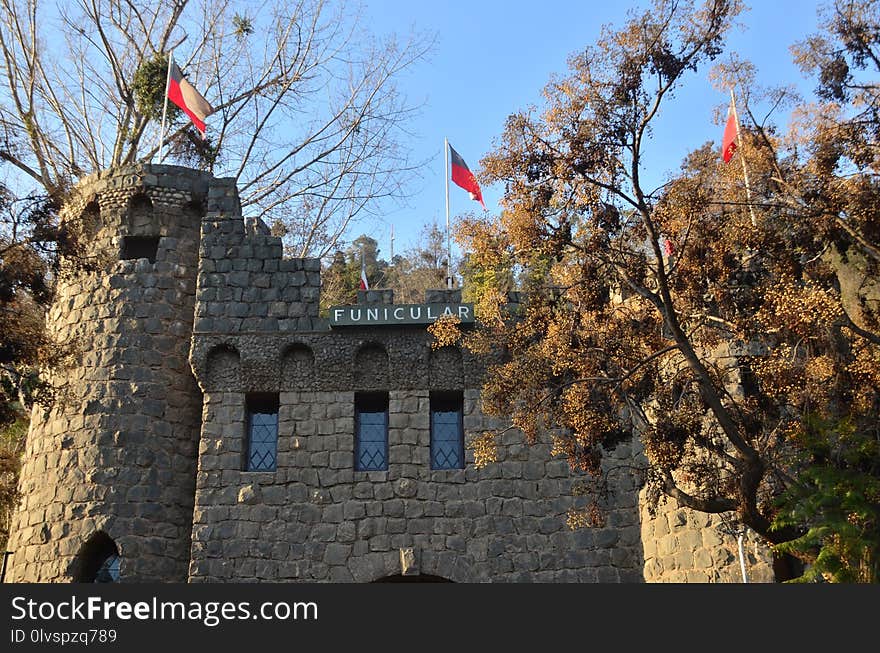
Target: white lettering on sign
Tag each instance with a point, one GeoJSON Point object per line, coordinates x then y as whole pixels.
{"type": "Point", "coordinates": [401, 314]}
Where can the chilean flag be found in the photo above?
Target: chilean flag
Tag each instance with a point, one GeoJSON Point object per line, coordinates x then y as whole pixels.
{"type": "Point", "coordinates": [728, 142]}
{"type": "Point", "coordinates": [185, 96]}
{"type": "Point", "coordinates": [463, 177]}
{"type": "Point", "coordinates": [364, 285]}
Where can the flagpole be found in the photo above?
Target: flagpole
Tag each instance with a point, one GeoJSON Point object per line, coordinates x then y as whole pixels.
{"type": "Point", "coordinates": [448, 241]}
{"type": "Point", "coordinates": [165, 106]}
{"type": "Point", "coordinates": [742, 157]}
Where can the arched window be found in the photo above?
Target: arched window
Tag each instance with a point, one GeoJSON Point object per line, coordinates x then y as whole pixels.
{"type": "Point", "coordinates": [98, 560]}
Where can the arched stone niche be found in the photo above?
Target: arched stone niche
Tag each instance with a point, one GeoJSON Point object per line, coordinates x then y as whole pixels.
{"type": "Point", "coordinates": [445, 367]}
{"type": "Point", "coordinates": [83, 226]}
{"type": "Point", "coordinates": [223, 367]}
{"type": "Point", "coordinates": [139, 218]}
{"type": "Point", "coordinates": [297, 367]}
{"type": "Point", "coordinates": [90, 218]}
{"type": "Point", "coordinates": [371, 367]}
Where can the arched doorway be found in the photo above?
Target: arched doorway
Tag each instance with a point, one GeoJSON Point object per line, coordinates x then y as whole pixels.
{"type": "Point", "coordinates": [98, 560]}
{"type": "Point", "coordinates": [415, 578]}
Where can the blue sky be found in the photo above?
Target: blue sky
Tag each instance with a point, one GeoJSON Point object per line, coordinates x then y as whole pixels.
{"type": "Point", "coordinates": [493, 58]}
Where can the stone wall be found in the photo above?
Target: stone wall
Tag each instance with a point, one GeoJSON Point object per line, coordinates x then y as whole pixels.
{"type": "Point", "coordinates": [684, 546]}
{"type": "Point", "coordinates": [116, 454]}
{"type": "Point", "coordinates": [317, 519]}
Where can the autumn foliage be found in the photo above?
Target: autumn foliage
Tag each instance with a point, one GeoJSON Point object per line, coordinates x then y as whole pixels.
{"type": "Point", "coordinates": [716, 324]}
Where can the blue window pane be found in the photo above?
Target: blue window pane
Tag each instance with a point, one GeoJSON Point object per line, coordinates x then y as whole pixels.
{"type": "Point", "coordinates": [262, 441]}
{"type": "Point", "coordinates": [447, 434]}
{"type": "Point", "coordinates": [109, 570]}
{"type": "Point", "coordinates": [371, 433]}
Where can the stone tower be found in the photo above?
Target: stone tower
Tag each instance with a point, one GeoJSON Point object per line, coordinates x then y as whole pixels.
{"type": "Point", "coordinates": [109, 470]}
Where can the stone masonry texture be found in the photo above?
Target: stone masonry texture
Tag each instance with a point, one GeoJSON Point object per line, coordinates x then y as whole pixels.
{"type": "Point", "coordinates": [147, 443]}
{"type": "Point", "coordinates": [117, 452]}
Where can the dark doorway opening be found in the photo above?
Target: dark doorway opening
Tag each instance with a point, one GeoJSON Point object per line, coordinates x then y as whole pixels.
{"type": "Point", "coordinates": [418, 578]}
{"type": "Point", "coordinates": [98, 560]}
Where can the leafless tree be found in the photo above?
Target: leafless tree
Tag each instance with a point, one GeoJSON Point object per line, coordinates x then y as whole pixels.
{"type": "Point", "coordinates": [307, 118]}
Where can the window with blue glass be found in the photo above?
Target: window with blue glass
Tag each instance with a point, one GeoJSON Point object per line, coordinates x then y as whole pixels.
{"type": "Point", "coordinates": [109, 570]}
{"type": "Point", "coordinates": [371, 431]}
{"type": "Point", "coordinates": [262, 433]}
{"type": "Point", "coordinates": [447, 430]}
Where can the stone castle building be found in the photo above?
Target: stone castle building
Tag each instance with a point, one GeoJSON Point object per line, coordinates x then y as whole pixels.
{"type": "Point", "coordinates": [216, 428]}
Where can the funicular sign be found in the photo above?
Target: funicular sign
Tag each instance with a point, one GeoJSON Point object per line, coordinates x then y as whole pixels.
{"type": "Point", "coordinates": [393, 314]}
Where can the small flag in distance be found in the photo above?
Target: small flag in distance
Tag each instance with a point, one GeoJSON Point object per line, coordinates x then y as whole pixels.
{"type": "Point", "coordinates": [364, 285]}
{"type": "Point", "coordinates": [185, 96]}
{"type": "Point", "coordinates": [728, 142]}
{"type": "Point", "coordinates": [464, 178]}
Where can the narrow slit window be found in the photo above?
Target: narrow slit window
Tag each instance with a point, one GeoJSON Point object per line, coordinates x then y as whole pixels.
{"type": "Point", "coordinates": [447, 430]}
{"type": "Point", "coordinates": [371, 431]}
{"type": "Point", "coordinates": [262, 433]}
{"type": "Point", "coordinates": [140, 247]}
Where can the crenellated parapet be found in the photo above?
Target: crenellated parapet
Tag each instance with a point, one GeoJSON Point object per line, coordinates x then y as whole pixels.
{"type": "Point", "coordinates": [245, 285]}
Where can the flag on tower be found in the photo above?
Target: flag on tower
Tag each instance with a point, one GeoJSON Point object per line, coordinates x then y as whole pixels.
{"type": "Point", "coordinates": [364, 285]}
{"type": "Point", "coordinates": [731, 130]}
{"type": "Point", "coordinates": [463, 177]}
{"type": "Point", "coordinates": [185, 96]}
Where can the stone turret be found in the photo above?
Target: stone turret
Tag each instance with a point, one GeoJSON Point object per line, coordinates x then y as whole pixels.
{"type": "Point", "coordinates": [109, 470]}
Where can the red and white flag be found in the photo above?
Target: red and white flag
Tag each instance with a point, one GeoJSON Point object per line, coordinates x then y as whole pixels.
{"type": "Point", "coordinates": [185, 96]}
{"type": "Point", "coordinates": [364, 284]}
{"type": "Point", "coordinates": [731, 131]}
{"type": "Point", "coordinates": [463, 177]}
